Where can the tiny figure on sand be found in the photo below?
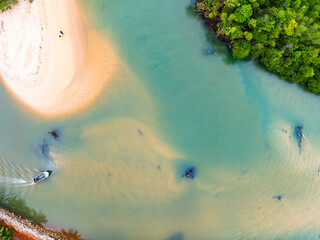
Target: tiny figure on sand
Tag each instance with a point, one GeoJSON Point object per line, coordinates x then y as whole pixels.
{"type": "Point", "coordinates": [61, 34]}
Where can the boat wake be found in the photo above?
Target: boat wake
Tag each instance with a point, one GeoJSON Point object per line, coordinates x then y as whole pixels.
{"type": "Point", "coordinates": [15, 182]}
{"type": "Point", "coordinates": [16, 176]}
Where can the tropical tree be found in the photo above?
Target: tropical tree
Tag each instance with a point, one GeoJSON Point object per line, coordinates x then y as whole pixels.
{"type": "Point", "coordinates": [6, 233]}
{"type": "Point", "coordinates": [284, 35]}
{"type": "Point", "coordinates": [6, 4]}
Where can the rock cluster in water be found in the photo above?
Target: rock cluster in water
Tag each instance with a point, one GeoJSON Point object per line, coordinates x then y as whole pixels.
{"type": "Point", "coordinates": [279, 197]}
{"type": "Point", "coordinates": [299, 133]}
{"type": "Point", "coordinates": [54, 134]}
{"type": "Point", "coordinates": [190, 172]}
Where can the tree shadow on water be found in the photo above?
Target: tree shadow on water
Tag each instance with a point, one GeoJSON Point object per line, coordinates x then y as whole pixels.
{"type": "Point", "coordinates": [176, 236]}
{"type": "Point", "coordinates": [217, 46]}
{"type": "Point", "coordinates": [191, 10]}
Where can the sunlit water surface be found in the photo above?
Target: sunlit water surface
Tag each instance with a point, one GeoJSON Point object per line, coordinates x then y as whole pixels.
{"type": "Point", "coordinates": [118, 165]}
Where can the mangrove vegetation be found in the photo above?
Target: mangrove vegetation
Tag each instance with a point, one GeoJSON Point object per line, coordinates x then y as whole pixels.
{"type": "Point", "coordinates": [6, 4]}
{"type": "Point", "coordinates": [283, 34]}
{"type": "Point", "coordinates": [6, 233]}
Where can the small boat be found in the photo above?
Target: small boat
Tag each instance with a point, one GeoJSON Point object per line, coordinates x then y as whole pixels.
{"type": "Point", "coordinates": [42, 176]}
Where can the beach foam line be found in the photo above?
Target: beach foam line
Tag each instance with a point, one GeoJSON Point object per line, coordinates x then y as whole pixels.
{"type": "Point", "coordinates": [51, 74]}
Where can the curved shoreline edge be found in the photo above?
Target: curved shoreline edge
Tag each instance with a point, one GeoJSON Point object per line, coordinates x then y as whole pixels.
{"type": "Point", "coordinates": [53, 75]}
{"type": "Point", "coordinates": [25, 229]}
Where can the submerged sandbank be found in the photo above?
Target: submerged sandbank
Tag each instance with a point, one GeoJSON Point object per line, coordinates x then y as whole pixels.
{"type": "Point", "coordinates": [53, 75]}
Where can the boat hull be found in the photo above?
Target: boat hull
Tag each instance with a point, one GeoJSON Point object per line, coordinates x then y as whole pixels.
{"type": "Point", "coordinates": [42, 176]}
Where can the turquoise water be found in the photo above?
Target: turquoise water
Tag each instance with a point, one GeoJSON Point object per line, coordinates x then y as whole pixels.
{"type": "Point", "coordinates": [118, 164]}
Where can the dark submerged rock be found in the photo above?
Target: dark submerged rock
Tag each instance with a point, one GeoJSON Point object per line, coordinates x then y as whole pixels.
{"type": "Point", "coordinates": [140, 132]}
{"type": "Point", "coordinates": [190, 172]}
{"type": "Point", "coordinates": [176, 236]}
{"type": "Point", "coordinates": [299, 133]}
{"type": "Point", "coordinates": [54, 134]}
{"type": "Point", "coordinates": [279, 197]}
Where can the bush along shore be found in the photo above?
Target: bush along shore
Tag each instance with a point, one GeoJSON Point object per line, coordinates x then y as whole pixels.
{"type": "Point", "coordinates": [284, 35]}
{"type": "Point", "coordinates": [6, 4]}
{"type": "Point", "coordinates": [19, 227]}
{"type": "Point", "coordinates": [24, 228]}
{"type": "Point", "coordinates": [27, 223]}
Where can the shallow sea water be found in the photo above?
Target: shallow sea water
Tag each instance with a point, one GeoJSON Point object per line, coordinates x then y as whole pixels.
{"type": "Point", "coordinates": [118, 164]}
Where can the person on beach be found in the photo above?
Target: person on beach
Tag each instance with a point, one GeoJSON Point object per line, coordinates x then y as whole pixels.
{"type": "Point", "coordinates": [61, 34]}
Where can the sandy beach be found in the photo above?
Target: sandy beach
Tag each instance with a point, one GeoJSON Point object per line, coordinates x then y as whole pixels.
{"type": "Point", "coordinates": [53, 73]}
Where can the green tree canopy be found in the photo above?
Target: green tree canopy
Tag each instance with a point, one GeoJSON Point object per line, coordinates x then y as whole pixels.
{"type": "Point", "coordinates": [283, 34]}
{"type": "Point", "coordinates": [6, 4]}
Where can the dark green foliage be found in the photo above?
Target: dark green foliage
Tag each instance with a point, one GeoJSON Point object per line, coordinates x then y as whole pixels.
{"type": "Point", "coordinates": [243, 13]}
{"type": "Point", "coordinates": [71, 234]}
{"type": "Point", "coordinates": [18, 205]}
{"type": "Point", "coordinates": [6, 233]}
{"type": "Point", "coordinates": [283, 34]}
{"type": "Point", "coordinates": [6, 4]}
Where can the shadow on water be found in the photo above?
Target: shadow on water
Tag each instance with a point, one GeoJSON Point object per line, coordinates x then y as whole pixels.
{"type": "Point", "coordinates": [17, 205]}
{"type": "Point", "coordinates": [43, 152]}
{"type": "Point", "coordinates": [13, 176]}
{"type": "Point", "coordinates": [191, 10]}
{"type": "Point", "coordinates": [176, 236]}
{"type": "Point", "coordinates": [218, 46]}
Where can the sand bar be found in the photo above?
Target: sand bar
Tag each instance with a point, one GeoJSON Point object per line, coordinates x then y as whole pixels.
{"type": "Point", "coordinates": [53, 75]}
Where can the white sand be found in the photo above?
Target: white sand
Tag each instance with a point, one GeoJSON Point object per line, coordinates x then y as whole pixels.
{"type": "Point", "coordinates": [53, 75]}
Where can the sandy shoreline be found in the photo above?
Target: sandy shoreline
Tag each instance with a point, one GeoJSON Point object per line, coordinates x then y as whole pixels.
{"type": "Point", "coordinates": [53, 75]}
{"type": "Point", "coordinates": [49, 74]}
{"type": "Point", "coordinates": [25, 230]}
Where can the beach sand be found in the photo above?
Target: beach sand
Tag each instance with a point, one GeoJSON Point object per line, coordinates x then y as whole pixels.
{"type": "Point", "coordinates": [51, 74]}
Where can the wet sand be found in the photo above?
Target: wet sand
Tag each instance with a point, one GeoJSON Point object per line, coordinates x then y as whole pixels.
{"type": "Point", "coordinates": [53, 73]}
